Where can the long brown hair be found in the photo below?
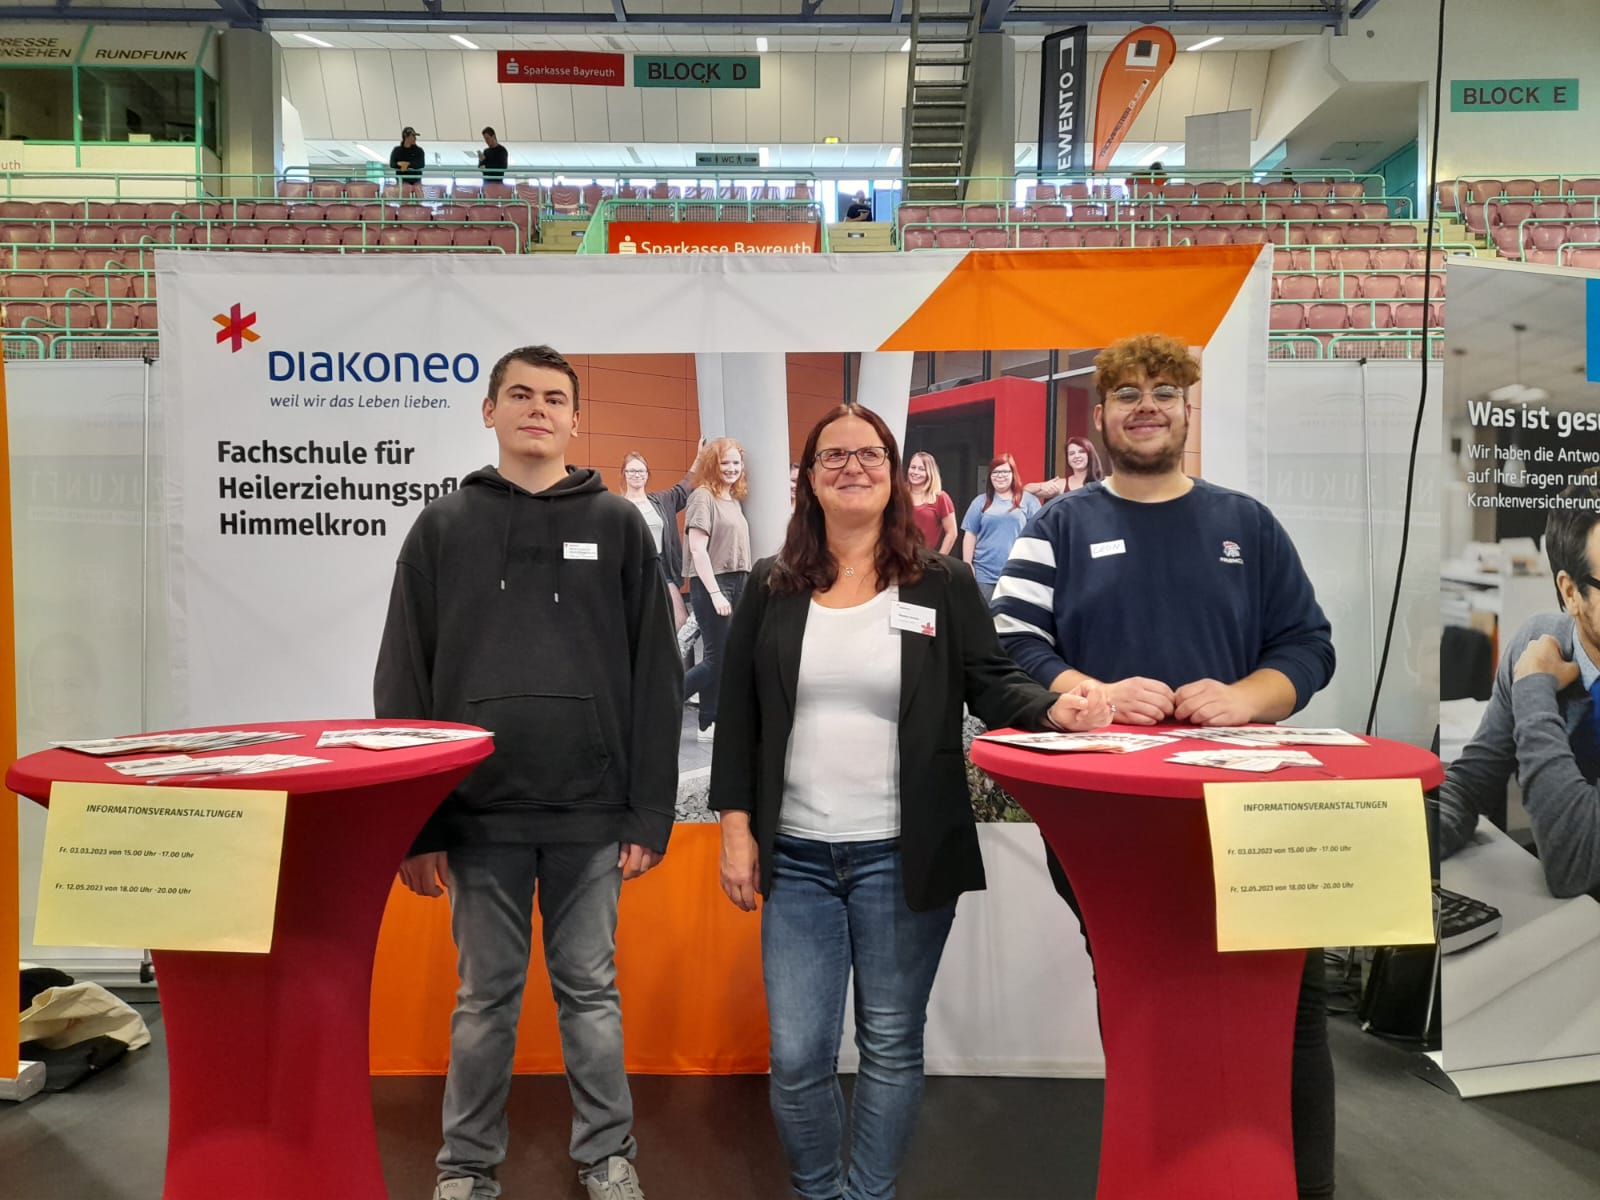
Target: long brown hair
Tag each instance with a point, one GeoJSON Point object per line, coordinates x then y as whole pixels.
{"type": "Point", "coordinates": [1094, 472]}
{"type": "Point", "coordinates": [804, 564]}
{"type": "Point", "coordinates": [1002, 460]}
{"type": "Point", "coordinates": [708, 469]}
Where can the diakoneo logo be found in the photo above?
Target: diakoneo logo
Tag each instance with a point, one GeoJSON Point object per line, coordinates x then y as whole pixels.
{"type": "Point", "coordinates": [236, 328]}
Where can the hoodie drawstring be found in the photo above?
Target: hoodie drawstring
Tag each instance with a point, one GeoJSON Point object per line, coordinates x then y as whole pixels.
{"type": "Point", "coordinates": [505, 548]}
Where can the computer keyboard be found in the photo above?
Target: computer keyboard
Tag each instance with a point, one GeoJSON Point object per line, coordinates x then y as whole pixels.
{"type": "Point", "coordinates": [1464, 921]}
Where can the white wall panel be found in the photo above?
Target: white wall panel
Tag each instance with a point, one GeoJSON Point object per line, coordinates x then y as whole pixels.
{"type": "Point", "coordinates": [625, 111]}
{"type": "Point", "coordinates": [866, 98]}
{"type": "Point", "coordinates": [447, 72]}
{"type": "Point", "coordinates": [345, 116]}
{"type": "Point", "coordinates": [521, 121]}
{"type": "Point", "coordinates": [894, 67]}
{"type": "Point", "coordinates": [1248, 87]}
{"type": "Point", "coordinates": [556, 113]}
{"type": "Point", "coordinates": [485, 95]}
{"type": "Point", "coordinates": [379, 104]}
{"type": "Point", "coordinates": [728, 117]}
{"type": "Point", "coordinates": [662, 119]}
{"type": "Point", "coordinates": [797, 97]}
{"type": "Point", "coordinates": [302, 75]}
{"type": "Point", "coordinates": [832, 107]}
{"type": "Point", "coordinates": [591, 122]}
{"type": "Point", "coordinates": [694, 118]}
{"type": "Point", "coordinates": [414, 89]}
{"type": "Point", "coordinates": [764, 105]}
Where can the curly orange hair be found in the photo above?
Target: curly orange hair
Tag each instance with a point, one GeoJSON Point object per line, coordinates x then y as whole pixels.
{"type": "Point", "coordinates": [708, 468]}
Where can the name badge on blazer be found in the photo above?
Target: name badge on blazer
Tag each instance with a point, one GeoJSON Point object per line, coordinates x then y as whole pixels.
{"type": "Point", "coordinates": [587, 551]}
{"type": "Point", "coordinates": [912, 618]}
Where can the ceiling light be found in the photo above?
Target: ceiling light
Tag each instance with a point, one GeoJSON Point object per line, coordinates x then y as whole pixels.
{"type": "Point", "coordinates": [1151, 155]}
{"type": "Point", "coordinates": [894, 156]}
{"type": "Point", "coordinates": [306, 37]}
{"type": "Point", "coordinates": [1210, 41]}
{"type": "Point", "coordinates": [370, 152]}
{"type": "Point", "coordinates": [905, 46]}
{"type": "Point", "coordinates": [761, 45]}
{"type": "Point", "coordinates": [461, 41]}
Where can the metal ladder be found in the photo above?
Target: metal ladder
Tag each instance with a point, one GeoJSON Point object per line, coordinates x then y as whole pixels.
{"type": "Point", "coordinates": [937, 146]}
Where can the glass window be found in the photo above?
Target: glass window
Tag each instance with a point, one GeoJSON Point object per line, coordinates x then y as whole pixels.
{"type": "Point", "coordinates": [36, 103]}
{"type": "Point", "coordinates": [211, 120]}
{"type": "Point", "coordinates": [136, 105]}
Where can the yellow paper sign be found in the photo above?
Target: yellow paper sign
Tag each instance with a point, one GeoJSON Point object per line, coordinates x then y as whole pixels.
{"type": "Point", "coordinates": [1328, 863]}
{"type": "Point", "coordinates": [160, 868]}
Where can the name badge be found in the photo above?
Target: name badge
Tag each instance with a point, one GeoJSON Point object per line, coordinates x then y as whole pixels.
{"type": "Point", "coordinates": [587, 551]}
{"type": "Point", "coordinates": [1102, 549]}
{"type": "Point", "coordinates": [912, 618]}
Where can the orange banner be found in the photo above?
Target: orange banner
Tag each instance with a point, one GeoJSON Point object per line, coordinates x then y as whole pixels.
{"type": "Point", "coordinates": [10, 934]}
{"type": "Point", "coordinates": [713, 237]}
{"type": "Point", "coordinates": [1130, 76]}
{"type": "Point", "coordinates": [688, 966]}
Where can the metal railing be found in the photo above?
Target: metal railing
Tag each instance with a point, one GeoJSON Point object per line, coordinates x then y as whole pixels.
{"type": "Point", "coordinates": [1346, 345]}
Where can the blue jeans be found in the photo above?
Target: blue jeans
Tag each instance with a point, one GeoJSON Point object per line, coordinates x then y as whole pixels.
{"type": "Point", "coordinates": [491, 913]}
{"type": "Point", "coordinates": [838, 908]}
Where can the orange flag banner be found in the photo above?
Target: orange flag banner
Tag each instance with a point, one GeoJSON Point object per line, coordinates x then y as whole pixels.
{"type": "Point", "coordinates": [1130, 76]}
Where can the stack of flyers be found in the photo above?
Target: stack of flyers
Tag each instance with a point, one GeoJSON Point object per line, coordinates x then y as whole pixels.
{"type": "Point", "coordinates": [1078, 743]}
{"type": "Point", "coordinates": [1257, 761]}
{"type": "Point", "coordinates": [397, 737]}
{"type": "Point", "coordinates": [174, 765]}
{"type": "Point", "coordinates": [1277, 735]}
{"type": "Point", "coordinates": [175, 743]}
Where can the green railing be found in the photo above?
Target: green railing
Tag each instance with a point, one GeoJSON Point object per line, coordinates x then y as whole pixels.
{"type": "Point", "coordinates": [1349, 345]}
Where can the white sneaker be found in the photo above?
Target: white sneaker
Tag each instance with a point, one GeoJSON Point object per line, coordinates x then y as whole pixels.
{"type": "Point", "coordinates": [619, 1181]}
{"type": "Point", "coordinates": [708, 734]}
{"type": "Point", "coordinates": [457, 1187]}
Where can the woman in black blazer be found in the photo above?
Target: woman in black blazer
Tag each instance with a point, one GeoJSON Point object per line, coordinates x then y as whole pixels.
{"type": "Point", "coordinates": [839, 775]}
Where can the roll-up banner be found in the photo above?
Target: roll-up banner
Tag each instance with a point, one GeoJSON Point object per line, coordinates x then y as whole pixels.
{"type": "Point", "coordinates": [1061, 115]}
{"type": "Point", "coordinates": [1128, 80]}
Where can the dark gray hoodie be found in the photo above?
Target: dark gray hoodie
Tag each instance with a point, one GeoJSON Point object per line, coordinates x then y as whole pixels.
{"type": "Point", "coordinates": [540, 616]}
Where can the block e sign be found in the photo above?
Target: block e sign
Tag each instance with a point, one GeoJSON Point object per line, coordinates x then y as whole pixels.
{"type": "Point", "coordinates": [1513, 95]}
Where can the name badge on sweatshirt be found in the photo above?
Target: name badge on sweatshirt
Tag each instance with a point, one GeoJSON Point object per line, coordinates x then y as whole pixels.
{"type": "Point", "coordinates": [586, 551]}
{"type": "Point", "coordinates": [1102, 549]}
{"type": "Point", "coordinates": [912, 618]}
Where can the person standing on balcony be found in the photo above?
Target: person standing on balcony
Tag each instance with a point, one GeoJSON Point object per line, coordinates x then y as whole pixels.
{"type": "Point", "coordinates": [493, 158]}
{"type": "Point", "coordinates": [407, 159]}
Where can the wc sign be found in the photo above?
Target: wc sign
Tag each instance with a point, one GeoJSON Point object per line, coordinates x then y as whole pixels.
{"type": "Point", "coordinates": [696, 71]}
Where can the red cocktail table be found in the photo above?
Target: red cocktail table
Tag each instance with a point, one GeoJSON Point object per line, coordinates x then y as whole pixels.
{"type": "Point", "coordinates": [267, 1053]}
{"type": "Point", "coordinates": [1197, 1043]}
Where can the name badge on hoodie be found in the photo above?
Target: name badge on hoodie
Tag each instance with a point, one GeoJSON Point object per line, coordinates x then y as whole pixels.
{"type": "Point", "coordinates": [583, 551]}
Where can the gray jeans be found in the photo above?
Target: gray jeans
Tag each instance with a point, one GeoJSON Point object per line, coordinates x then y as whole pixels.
{"type": "Point", "coordinates": [491, 920]}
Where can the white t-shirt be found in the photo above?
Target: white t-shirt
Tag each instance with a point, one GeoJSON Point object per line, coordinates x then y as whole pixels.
{"type": "Point", "coordinates": [842, 774]}
{"type": "Point", "coordinates": [651, 518]}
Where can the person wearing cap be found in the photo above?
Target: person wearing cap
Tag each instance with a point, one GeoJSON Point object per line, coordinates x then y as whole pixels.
{"type": "Point", "coordinates": [407, 159]}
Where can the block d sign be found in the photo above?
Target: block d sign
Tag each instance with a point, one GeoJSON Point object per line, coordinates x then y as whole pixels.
{"type": "Point", "coordinates": [696, 71]}
{"type": "Point", "coordinates": [1513, 95]}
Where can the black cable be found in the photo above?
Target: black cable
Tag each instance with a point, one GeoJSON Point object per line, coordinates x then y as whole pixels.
{"type": "Point", "coordinates": [1422, 399]}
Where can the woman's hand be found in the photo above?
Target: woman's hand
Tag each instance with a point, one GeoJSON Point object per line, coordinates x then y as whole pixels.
{"type": "Point", "coordinates": [1086, 706]}
{"type": "Point", "coordinates": [740, 861]}
{"type": "Point", "coordinates": [720, 603]}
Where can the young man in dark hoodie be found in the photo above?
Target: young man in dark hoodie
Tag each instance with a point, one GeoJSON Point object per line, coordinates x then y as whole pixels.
{"type": "Point", "coordinates": [529, 602]}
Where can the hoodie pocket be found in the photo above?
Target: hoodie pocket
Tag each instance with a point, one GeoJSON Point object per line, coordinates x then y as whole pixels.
{"type": "Point", "coordinates": [548, 749]}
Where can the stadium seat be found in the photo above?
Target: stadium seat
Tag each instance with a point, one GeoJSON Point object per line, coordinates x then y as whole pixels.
{"type": "Point", "coordinates": [564, 201]}
{"type": "Point", "coordinates": [365, 190]}
{"type": "Point", "coordinates": [293, 189]}
{"type": "Point", "coordinates": [1323, 235]}
{"type": "Point", "coordinates": [1048, 214]}
{"type": "Point", "coordinates": [1349, 189]}
{"type": "Point", "coordinates": [1298, 287]}
{"type": "Point", "coordinates": [1038, 191]}
{"type": "Point", "coordinates": [918, 238]}
{"type": "Point", "coordinates": [953, 239]}
{"type": "Point", "coordinates": [327, 189]}
{"type": "Point", "coordinates": [1030, 237]}
{"type": "Point", "coordinates": [397, 236]}
{"type": "Point", "coordinates": [1287, 316]}
{"type": "Point", "coordinates": [1387, 258]}
{"type": "Point", "coordinates": [1417, 287]}
{"type": "Point", "coordinates": [1327, 316]}
{"type": "Point", "coordinates": [1381, 287]}
{"type": "Point", "coordinates": [1587, 257]}
{"type": "Point", "coordinates": [27, 287]}
{"type": "Point", "coordinates": [1207, 235]}
{"type": "Point", "coordinates": [1101, 238]}
{"type": "Point", "coordinates": [945, 214]}
{"type": "Point", "coordinates": [1507, 241]}
{"type": "Point", "coordinates": [1400, 235]}
{"type": "Point", "coordinates": [1063, 239]}
{"type": "Point", "coordinates": [992, 237]}
{"type": "Point", "coordinates": [1520, 187]}
{"type": "Point", "coordinates": [1279, 189]}
{"type": "Point", "coordinates": [435, 238]}
{"type": "Point", "coordinates": [1213, 189]}
{"type": "Point", "coordinates": [1410, 316]}
{"type": "Point", "coordinates": [466, 235]}
{"type": "Point", "coordinates": [982, 214]}
{"type": "Point", "coordinates": [285, 235]}
{"type": "Point", "coordinates": [322, 235]}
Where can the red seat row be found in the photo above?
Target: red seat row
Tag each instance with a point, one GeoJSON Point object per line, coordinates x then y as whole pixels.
{"type": "Point", "coordinates": [57, 286]}
{"type": "Point", "coordinates": [1353, 285]}
{"type": "Point", "coordinates": [44, 319]}
{"type": "Point", "coordinates": [1291, 317]}
{"type": "Point", "coordinates": [1182, 193]}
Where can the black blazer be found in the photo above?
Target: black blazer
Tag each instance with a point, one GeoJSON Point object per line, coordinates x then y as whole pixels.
{"type": "Point", "coordinates": [961, 662]}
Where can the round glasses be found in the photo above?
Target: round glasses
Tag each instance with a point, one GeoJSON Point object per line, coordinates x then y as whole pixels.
{"type": "Point", "coordinates": [1165, 395]}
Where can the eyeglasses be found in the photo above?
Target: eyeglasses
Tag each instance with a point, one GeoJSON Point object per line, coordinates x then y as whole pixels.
{"type": "Point", "coordinates": [635, 471]}
{"type": "Point", "coordinates": [1165, 395]}
{"type": "Point", "coordinates": [867, 456]}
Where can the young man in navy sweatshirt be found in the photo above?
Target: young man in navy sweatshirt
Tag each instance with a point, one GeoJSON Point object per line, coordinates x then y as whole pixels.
{"type": "Point", "coordinates": [1189, 603]}
{"type": "Point", "coordinates": [529, 602]}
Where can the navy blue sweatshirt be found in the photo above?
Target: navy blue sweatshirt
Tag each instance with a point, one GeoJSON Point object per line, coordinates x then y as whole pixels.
{"type": "Point", "coordinates": [1206, 586]}
{"type": "Point", "coordinates": [540, 616]}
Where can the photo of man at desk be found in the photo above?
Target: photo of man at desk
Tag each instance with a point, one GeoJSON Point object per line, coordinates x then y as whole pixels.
{"type": "Point", "coordinates": [1542, 723]}
{"type": "Point", "coordinates": [1520, 999]}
